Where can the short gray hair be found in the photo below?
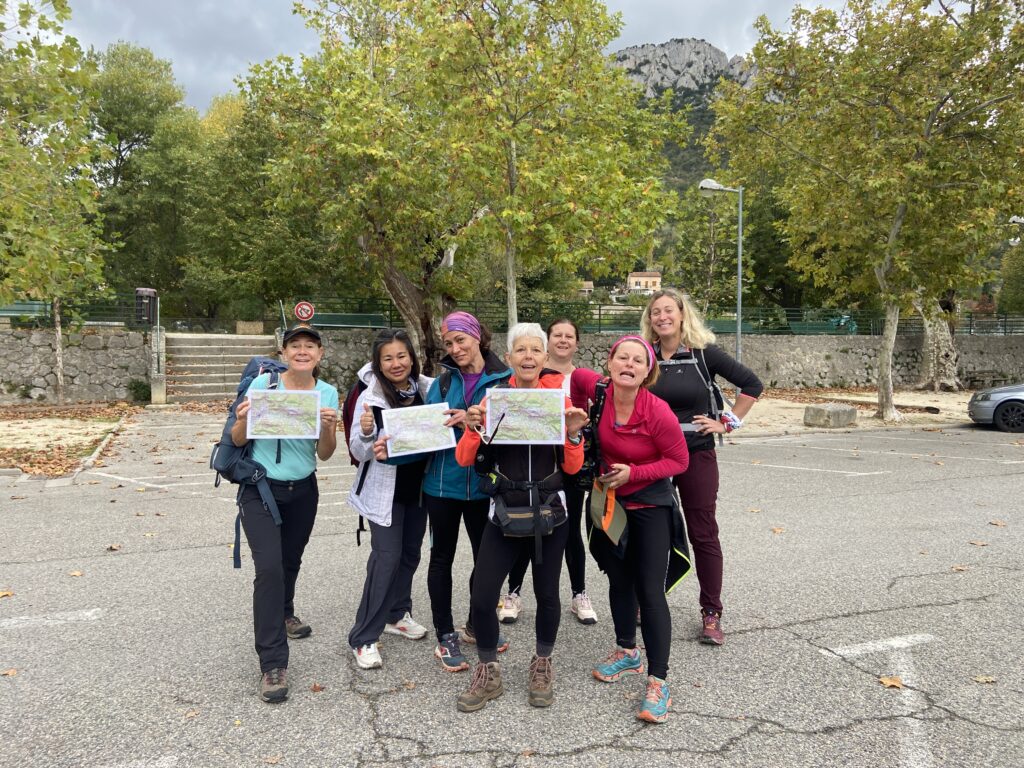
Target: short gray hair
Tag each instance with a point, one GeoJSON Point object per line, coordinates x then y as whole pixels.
{"type": "Point", "coordinates": [520, 330]}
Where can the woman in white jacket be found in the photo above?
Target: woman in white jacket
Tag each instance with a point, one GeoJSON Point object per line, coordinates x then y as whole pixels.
{"type": "Point", "coordinates": [388, 497]}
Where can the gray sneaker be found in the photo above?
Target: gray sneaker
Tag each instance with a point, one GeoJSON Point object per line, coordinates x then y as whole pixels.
{"type": "Point", "coordinates": [486, 685]}
{"type": "Point", "coordinates": [297, 628]}
{"type": "Point", "coordinates": [274, 685]}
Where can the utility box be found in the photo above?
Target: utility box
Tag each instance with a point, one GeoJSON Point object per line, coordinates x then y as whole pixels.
{"type": "Point", "coordinates": [145, 306]}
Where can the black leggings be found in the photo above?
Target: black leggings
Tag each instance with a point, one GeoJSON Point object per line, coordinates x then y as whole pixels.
{"type": "Point", "coordinates": [444, 516]}
{"type": "Point", "coordinates": [640, 577]}
{"type": "Point", "coordinates": [497, 554]}
{"type": "Point", "coordinates": [277, 555]}
{"type": "Point", "coordinates": [575, 552]}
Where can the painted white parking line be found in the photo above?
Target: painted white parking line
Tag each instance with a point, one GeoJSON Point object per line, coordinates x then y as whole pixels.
{"type": "Point", "coordinates": [51, 620]}
{"type": "Point", "coordinates": [877, 646]}
{"type": "Point", "coordinates": [917, 455]}
{"type": "Point", "coordinates": [128, 479]}
{"type": "Point", "coordinates": [219, 425]}
{"type": "Point", "coordinates": [167, 761]}
{"type": "Point", "coordinates": [913, 737]}
{"type": "Point", "coordinates": [809, 469]}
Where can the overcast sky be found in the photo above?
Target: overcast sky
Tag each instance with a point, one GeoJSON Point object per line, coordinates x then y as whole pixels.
{"type": "Point", "coordinates": [211, 42]}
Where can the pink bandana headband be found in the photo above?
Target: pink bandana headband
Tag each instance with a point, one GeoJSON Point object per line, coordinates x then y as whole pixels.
{"type": "Point", "coordinates": [461, 321]}
{"type": "Point", "coordinates": [652, 360]}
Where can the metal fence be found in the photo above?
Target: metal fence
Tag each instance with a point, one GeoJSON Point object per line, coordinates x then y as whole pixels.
{"type": "Point", "coordinates": [130, 310]}
{"type": "Point", "coordinates": [345, 312]}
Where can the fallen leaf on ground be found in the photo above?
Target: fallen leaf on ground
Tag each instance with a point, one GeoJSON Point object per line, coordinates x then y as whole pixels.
{"type": "Point", "coordinates": [891, 681]}
{"type": "Point", "coordinates": [923, 552]}
{"type": "Point", "coordinates": [778, 530]}
{"type": "Point", "coordinates": [6, 593]}
{"type": "Point", "coordinates": [959, 568]}
{"type": "Point", "coordinates": [756, 461]}
{"type": "Point", "coordinates": [140, 490]}
{"type": "Point", "coordinates": [114, 548]}
{"type": "Point", "coordinates": [984, 679]}
{"type": "Point", "coordinates": [528, 752]}
{"type": "Point", "coordinates": [941, 463]}
{"type": "Point", "coordinates": [76, 573]}
{"type": "Point", "coordinates": [997, 523]}
{"type": "Point", "coordinates": [274, 760]}
{"type": "Point", "coordinates": [698, 685]}
{"type": "Point", "coordinates": [9, 673]}
{"type": "Point", "coordinates": [160, 514]}
{"type": "Point", "coordinates": [18, 498]}
{"type": "Point", "coordinates": [140, 514]}
{"type": "Point", "coordinates": [980, 543]}
{"type": "Point", "coordinates": [192, 713]}
{"type": "Point", "coordinates": [316, 687]}
{"type": "Point", "coordinates": [149, 535]}
{"type": "Point", "coordinates": [238, 722]}
{"type": "Point", "coordinates": [117, 485]}
{"type": "Point", "coordinates": [409, 685]}
{"type": "Point", "coordinates": [754, 510]}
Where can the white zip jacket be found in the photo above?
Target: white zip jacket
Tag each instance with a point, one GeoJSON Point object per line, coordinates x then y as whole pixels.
{"type": "Point", "coordinates": [373, 488]}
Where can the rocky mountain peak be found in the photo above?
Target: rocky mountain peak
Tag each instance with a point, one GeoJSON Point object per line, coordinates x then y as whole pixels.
{"type": "Point", "coordinates": [681, 64]}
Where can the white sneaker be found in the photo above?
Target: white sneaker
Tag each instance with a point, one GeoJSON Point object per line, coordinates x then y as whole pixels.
{"type": "Point", "coordinates": [407, 626]}
{"type": "Point", "coordinates": [368, 657]}
{"type": "Point", "coordinates": [511, 605]}
{"type": "Point", "coordinates": [583, 609]}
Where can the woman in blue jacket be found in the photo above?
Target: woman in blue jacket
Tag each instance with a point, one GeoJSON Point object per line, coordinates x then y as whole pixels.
{"type": "Point", "coordinates": [451, 492]}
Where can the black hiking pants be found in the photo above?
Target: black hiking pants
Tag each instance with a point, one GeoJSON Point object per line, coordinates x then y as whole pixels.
{"type": "Point", "coordinates": [277, 555]}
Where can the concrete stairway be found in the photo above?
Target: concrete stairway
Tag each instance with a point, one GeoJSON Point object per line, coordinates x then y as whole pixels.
{"type": "Point", "coordinates": [207, 366]}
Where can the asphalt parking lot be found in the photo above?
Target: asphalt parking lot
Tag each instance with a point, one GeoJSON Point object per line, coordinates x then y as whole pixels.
{"type": "Point", "coordinates": [127, 641]}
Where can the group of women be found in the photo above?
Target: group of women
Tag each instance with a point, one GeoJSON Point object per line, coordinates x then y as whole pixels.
{"type": "Point", "coordinates": [651, 422]}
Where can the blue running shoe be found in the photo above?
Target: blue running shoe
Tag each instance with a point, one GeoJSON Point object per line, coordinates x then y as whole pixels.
{"type": "Point", "coordinates": [656, 702]}
{"type": "Point", "coordinates": [467, 635]}
{"type": "Point", "coordinates": [450, 654]}
{"type": "Point", "coordinates": [620, 662]}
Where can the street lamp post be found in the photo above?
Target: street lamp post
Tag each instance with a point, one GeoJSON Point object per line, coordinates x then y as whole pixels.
{"type": "Point", "coordinates": [709, 187]}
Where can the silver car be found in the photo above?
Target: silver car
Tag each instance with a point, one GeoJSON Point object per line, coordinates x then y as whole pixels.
{"type": "Point", "coordinates": [1001, 406]}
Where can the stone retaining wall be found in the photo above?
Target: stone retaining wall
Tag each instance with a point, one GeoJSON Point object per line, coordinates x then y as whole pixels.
{"type": "Point", "coordinates": [98, 364]}
{"type": "Point", "coordinates": [780, 361]}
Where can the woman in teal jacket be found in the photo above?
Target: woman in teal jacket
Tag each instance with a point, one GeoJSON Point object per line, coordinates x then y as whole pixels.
{"type": "Point", "coordinates": [451, 492]}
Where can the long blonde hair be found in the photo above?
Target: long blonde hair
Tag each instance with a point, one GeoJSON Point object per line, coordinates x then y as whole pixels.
{"type": "Point", "coordinates": [695, 334]}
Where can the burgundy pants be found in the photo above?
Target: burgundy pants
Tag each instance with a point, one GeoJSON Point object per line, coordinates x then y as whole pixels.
{"type": "Point", "coordinates": [698, 491]}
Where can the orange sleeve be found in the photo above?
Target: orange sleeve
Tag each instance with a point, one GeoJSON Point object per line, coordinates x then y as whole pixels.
{"type": "Point", "coordinates": [465, 450]}
{"type": "Point", "coordinates": [573, 458]}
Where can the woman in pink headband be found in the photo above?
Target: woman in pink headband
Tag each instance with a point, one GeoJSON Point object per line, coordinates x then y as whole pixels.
{"type": "Point", "coordinates": [451, 493]}
{"type": "Point", "coordinates": [640, 450]}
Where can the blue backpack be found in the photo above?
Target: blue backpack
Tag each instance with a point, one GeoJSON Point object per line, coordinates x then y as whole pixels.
{"type": "Point", "coordinates": [235, 463]}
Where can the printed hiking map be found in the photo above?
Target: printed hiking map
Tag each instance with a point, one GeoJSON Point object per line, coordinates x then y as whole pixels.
{"type": "Point", "coordinates": [535, 416]}
{"type": "Point", "coordinates": [417, 429]}
{"type": "Point", "coordinates": [283, 415]}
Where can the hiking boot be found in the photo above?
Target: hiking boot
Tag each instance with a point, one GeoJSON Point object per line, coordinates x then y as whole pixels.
{"type": "Point", "coordinates": [584, 611]}
{"type": "Point", "coordinates": [274, 685]}
{"type": "Point", "coordinates": [450, 654]}
{"type": "Point", "coordinates": [467, 635]}
{"type": "Point", "coordinates": [297, 628]}
{"type": "Point", "coordinates": [657, 701]}
{"type": "Point", "coordinates": [486, 685]}
{"type": "Point", "coordinates": [711, 633]}
{"type": "Point", "coordinates": [542, 681]}
{"type": "Point", "coordinates": [511, 605]}
{"type": "Point", "coordinates": [621, 661]}
{"type": "Point", "coordinates": [407, 626]}
{"type": "Point", "coordinates": [368, 657]}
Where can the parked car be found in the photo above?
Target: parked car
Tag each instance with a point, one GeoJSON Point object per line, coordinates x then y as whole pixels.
{"type": "Point", "coordinates": [1001, 406]}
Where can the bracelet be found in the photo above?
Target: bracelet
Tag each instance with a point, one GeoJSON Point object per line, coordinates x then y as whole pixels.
{"type": "Point", "coordinates": [575, 440]}
{"type": "Point", "coordinates": [731, 421]}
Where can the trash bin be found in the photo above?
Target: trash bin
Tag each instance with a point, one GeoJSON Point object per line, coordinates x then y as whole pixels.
{"type": "Point", "coordinates": [145, 306]}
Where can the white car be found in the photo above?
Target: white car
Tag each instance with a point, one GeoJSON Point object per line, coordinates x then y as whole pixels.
{"type": "Point", "coordinates": [1001, 406]}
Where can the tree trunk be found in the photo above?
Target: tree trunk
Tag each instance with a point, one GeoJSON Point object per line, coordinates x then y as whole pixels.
{"type": "Point", "coordinates": [417, 312]}
{"type": "Point", "coordinates": [510, 245]}
{"type": "Point", "coordinates": [58, 348]}
{"type": "Point", "coordinates": [886, 409]}
{"type": "Point", "coordinates": [938, 353]}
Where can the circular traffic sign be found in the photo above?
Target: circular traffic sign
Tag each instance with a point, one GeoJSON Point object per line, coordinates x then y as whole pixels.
{"type": "Point", "coordinates": [304, 311]}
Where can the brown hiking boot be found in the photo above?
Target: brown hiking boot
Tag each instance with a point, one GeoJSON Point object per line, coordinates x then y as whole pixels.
{"type": "Point", "coordinates": [486, 685]}
{"type": "Point", "coordinates": [274, 685]}
{"type": "Point", "coordinates": [296, 628]}
{"type": "Point", "coordinates": [542, 681]}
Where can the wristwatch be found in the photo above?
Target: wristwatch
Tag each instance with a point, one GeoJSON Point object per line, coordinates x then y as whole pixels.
{"type": "Point", "coordinates": [575, 440]}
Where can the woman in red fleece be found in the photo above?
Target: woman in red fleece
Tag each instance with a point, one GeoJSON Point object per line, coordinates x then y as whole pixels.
{"type": "Point", "coordinates": [641, 449]}
{"type": "Point", "coordinates": [527, 353]}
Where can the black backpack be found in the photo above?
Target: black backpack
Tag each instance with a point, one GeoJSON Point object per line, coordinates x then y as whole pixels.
{"type": "Point", "coordinates": [235, 463]}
